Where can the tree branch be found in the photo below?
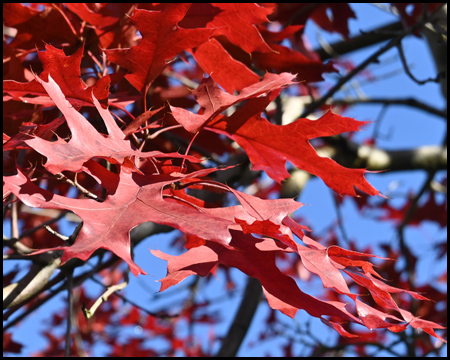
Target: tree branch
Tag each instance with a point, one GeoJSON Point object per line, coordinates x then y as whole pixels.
{"type": "Point", "coordinates": [373, 58]}
{"type": "Point", "coordinates": [242, 319]}
{"type": "Point", "coordinates": [349, 154]}
{"type": "Point", "coordinates": [370, 38]}
{"type": "Point", "coordinates": [31, 284]}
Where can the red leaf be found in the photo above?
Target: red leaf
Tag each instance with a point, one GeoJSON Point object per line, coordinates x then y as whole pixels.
{"type": "Point", "coordinates": [65, 70]}
{"type": "Point", "coordinates": [9, 345]}
{"type": "Point", "coordinates": [104, 18]}
{"type": "Point", "coordinates": [430, 211]}
{"type": "Point", "coordinates": [36, 28]}
{"type": "Point", "coordinates": [107, 224]}
{"type": "Point", "coordinates": [281, 290]}
{"type": "Point", "coordinates": [235, 21]}
{"type": "Point", "coordinates": [213, 100]}
{"type": "Point", "coordinates": [338, 328]}
{"type": "Point", "coordinates": [230, 74]}
{"type": "Point", "coordinates": [135, 125]}
{"type": "Point", "coordinates": [285, 59]}
{"type": "Point", "coordinates": [329, 16]}
{"type": "Point", "coordinates": [269, 146]}
{"type": "Point", "coordinates": [341, 13]}
{"type": "Point", "coordinates": [86, 142]}
{"type": "Point", "coordinates": [162, 39]}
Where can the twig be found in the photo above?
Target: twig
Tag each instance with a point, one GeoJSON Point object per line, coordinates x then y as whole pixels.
{"type": "Point", "coordinates": [408, 71]}
{"type": "Point", "coordinates": [373, 58]}
{"type": "Point", "coordinates": [156, 133]}
{"type": "Point", "coordinates": [238, 329]}
{"type": "Point", "coordinates": [61, 276]}
{"type": "Point", "coordinates": [339, 218]}
{"type": "Point", "coordinates": [31, 284]}
{"type": "Point", "coordinates": [45, 223]}
{"type": "Point", "coordinates": [14, 219]}
{"type": "Point", "coordinates": [86, 192]}
{"type": "Point", "coordinates": [182, 79]}
{"type": "Point", "coordinates": [69, 313]}
{"type": "Point", "coordinates": [57, 234]}
{"type": "Point", "coordinates": [109, 291]}
{"type": "Point", "coordinates": [400, 231]}
{"type": "Point", "coordinates": [17, 246]}
{"type": "Point", "coordinates": [366, 39]}
{"type": "Point", "coordinates": [124, 298]}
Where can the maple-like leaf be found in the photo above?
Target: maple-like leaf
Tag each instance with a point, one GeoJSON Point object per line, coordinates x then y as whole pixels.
{"type": "Point", "coordinates": [65, 70]}
{"type": "Point", "coordinates": [282, 292]}
{"type": "Point", "coordinates": [162, 39]}
{"type": "Point", "coordinates": [139, 198]}
{"type": "Point", "coordinates": [237, 23]}
{"type": "Point", "coordinates": [429, 211]}
{"type": "Point", "coordinates": [269, 146]}
{"type": "Point", "coordinates": [286, 59]}
{"type": "Point", "coordinates": [86, 142]}
{"type": "Point", "coordinates": [106, 225]}
{"type": "Point", "coordinates": [256, 258]}
{"type": "Point", "coordinates": [35, 28]}
{"type": "Point", "coordinates": [213, 100]}
{"type": "Point", "coordinates": [269, 217]}
{"type": "Point", "coordinates": [332, 17]}
{"type": "Point", "coordinates": [104, 18]}
{"type": "Point", "coordinates": [45, 131]}
{"type": "Point", "coordinates": [232, 75]}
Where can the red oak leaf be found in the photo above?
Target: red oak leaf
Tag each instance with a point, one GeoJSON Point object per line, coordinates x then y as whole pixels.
{"type": "Point", "coordinates": [237, 22]}
{"type": "Point", "coordinates": [65, 70]}
{"type": "Point", "coordinates": [230, 74]}
{"type": "Point", "coordinates": [26, 129]}
{"type": "Point", "coordinates": [430, 211]}
{"type": "Point", "coordinates": [337, 21]}
{"type": "Point", "coordinates": [329, 16]}
{"type": "Point", "coordinates": [162, 39]}
{"type": "Point", "coordinates": [285, 59]}
{"type": "Point", "coordinates": [213, 100]}
{"type": "Point", "coordinates": [107, 224]}
{"type": "Point", "coordinates": [277, 37]}
{"type": "Point", "coordinates": [9, 345]}
{"type": "Point", "coordinates": [415, 10]}
{"type": "Point", "coordinates": [86, 142]}
{"type": "Point", "coordinates": [338, 328]}
{"type": "Point", "coordinates": [267, 217]}
{"type": "Point", "coordinates": [37, 27]}
{"type": "Point", "coordinates": [104, 18]}
{"type": "Point", "coordinates": [280, 290]}
{"type": "Point", "coordinates": [269, 146]}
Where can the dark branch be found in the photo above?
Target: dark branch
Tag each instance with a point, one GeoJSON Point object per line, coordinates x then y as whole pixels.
{"type": "Point", "coordinates": [371, 59]}
{"type": "Point", "coordinates": [370, 38]}
{"type": "Point", "coordinates": [242, 320]}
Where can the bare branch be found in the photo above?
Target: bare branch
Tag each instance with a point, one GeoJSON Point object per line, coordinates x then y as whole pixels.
{"type": "Point", "coordinates": [109, 291]}
{"type": "Point", "coordinates": [371, 59]}
{"type": "Point", "coordinates": [30, 284]}
{"type": "Point", "coordinates": [242, 320]}
{"type": "Point", "coordinates": [69, 313]}
{"type": "Point", "coordinates": [370, 38]}
{"type": "Point", "coordinates": [410, 74]}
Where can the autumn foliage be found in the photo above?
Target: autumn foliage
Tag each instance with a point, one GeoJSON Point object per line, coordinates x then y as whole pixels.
{"type": "Point", "coordinates": [131, 113]}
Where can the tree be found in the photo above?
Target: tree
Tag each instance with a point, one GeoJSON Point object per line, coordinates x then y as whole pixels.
{"type": "Point", "coordinates": [131, 120]}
